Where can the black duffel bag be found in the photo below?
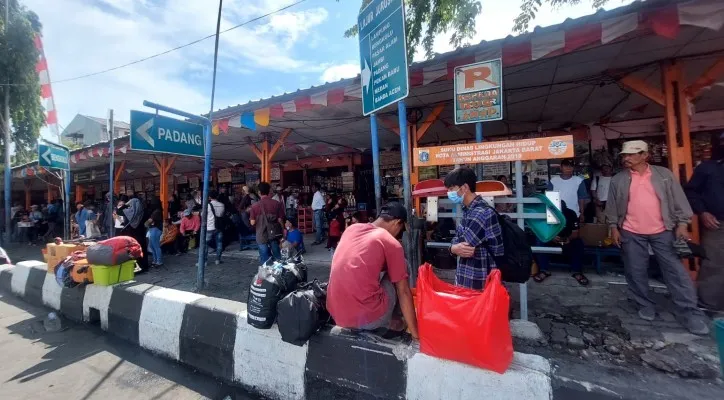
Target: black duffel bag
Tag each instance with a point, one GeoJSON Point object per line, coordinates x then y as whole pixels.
{"type": "Point", "coordinates": [302, 312]}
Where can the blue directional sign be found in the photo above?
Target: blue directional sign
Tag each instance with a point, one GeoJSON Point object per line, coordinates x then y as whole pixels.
{"type": "Point", "coordinates": [51, 155]}
{"type": "Point", "coordinates": [159, 134]}
{"type": "Point", "coordinates": [383, 54]}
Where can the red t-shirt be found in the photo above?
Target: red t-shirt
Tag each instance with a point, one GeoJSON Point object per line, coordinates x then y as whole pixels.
{"type": "Point", "coordinates": [354, 296]}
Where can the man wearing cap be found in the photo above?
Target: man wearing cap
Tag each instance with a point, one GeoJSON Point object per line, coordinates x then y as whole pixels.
{"type": "Point", "coordinates": [571, 188]}
{"type": "Point", "coordinates": [647, 207]}
{"type": "Point", "coordinates": [189, 228]}
{"type": "Point", "coordinates": [368, 286]}
{"type": "Point", "coordinates": [477, 236]}
{"type": "Point", "coordinates": [705, 192]}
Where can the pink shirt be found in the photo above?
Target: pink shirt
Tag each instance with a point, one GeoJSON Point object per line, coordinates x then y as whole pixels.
{"type": "Point", "coordinates": [192, 224]}
{"type": "Point", "coordinates": [355, 297]}
{"type": "Point", "coordinates": [644, 207]}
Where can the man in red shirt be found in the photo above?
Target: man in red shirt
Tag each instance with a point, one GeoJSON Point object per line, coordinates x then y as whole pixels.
{"type": "Point", "coordinates": [368, 286]}
{"type": "Point", "coordinates": [272, 212]}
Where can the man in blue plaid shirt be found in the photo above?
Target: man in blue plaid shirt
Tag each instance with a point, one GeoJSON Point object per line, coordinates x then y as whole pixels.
{"type": "Point", "coordinates": [477, 236]}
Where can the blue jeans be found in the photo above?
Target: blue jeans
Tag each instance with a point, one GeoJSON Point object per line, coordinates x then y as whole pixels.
{"type": "Point", "coordinates": [574, 251]}
{"type": "Point", "coordinates": [154, 245]}
{"type": "Point", "coordinates": [217, 238]}
{"type": "Point", "coordinates": [318, 225]}
{"type": "Point", "coordinates": [269, 250]}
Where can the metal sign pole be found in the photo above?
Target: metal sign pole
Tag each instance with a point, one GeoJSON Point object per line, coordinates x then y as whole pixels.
{"type": "Point", "coordinates": [376, 162]}
{"type": "Point", "coordinates": [66, 204]}
{"type": "Point", "coordinates": [111, 195]}
{"type": "Point", "coordinates": [406, 183]}
{"type": "Point", "coordinates": [479, 139]}
{"type": "Point", "coordinates": [521, 224]}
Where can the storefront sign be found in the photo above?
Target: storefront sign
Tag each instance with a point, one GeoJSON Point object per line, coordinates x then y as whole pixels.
{"type": "Point", "coordinates": [182, 180]}
{"type": "Point", "coordinates": [383, 54]}
{"type": "Point", "coordinates": [496, 169]}
{"type": "Point", "coordinates": [276, 173]}
{"type": "Point", "coordinates": [479, 92]}
{"type": "Point", "coordinates": [81, 177]}
{"type": "Point", "coordinates": [194, 182]}
{"type": "Point", "coordinates": [223, 176]}
{"type": "Point", "coordinates": [426, 173]}
{"type": "Point", "coordinates": [252, 178]}
{"type": "Point", "coordinates": [488, 152]}
{"type": "Point", "coordinates": [137, 185]}
{"type": "Point", "coordinates": [99, 174]}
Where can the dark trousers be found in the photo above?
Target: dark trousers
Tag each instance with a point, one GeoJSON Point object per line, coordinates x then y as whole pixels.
{"type": "Point", "coordinates": [574, 251]}
{"type": "Point", "coordinates": [711, 274]}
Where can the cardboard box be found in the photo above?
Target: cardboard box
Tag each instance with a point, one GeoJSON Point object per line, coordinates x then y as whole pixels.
{"type": "Point", "coordinates": [594, 234]}
{"type": "Point", "coordinates": [58, 252]}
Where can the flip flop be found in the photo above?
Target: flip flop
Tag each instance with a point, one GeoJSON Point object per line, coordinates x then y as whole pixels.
{"type": "Point", "coordinates": [582, 280]}
{"type": "Point", "coordinates": [541, 276]}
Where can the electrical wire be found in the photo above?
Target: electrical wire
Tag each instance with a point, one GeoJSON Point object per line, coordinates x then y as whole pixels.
{"type": "Point", "coordinates": [169, 50]}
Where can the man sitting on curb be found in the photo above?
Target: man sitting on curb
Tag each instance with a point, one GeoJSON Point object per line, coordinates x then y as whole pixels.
{"type": "Point", "coordinates": [368, 286]}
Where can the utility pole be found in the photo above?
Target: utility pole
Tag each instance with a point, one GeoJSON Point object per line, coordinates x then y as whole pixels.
{"type": "Point", "coordinates": [6, 120]}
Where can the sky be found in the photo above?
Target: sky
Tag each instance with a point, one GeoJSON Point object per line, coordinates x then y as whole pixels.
{"type": "Point", "coordinates": [293, 49]}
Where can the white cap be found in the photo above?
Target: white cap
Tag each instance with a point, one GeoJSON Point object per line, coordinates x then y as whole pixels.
{"type": "Point", "coordinates": [635, 147]}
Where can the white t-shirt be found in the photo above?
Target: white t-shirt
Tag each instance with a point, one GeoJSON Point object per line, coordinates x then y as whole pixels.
{"type": "Point", "coordinates": [210, 220]}
{"type": "Point", "coordinates": [568, 188]}
{"type": "Point", "coordinates": [601, 184]}
{"type": "Point", "coordinates": [318, 201]}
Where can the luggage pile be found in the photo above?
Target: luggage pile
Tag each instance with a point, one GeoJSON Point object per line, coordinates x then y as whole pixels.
{"type": "Point", "coordinates": [280, 293]}
{"type": "Point", "coordinates": [104, 263]}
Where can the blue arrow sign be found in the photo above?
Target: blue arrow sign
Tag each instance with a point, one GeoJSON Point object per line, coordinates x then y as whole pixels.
{"type": "Point", "coordinates": [51, 155]}
{"type": "Point", "coordinates": [383, 54]}
{"type": "Point", "coordinates": [159, 134]}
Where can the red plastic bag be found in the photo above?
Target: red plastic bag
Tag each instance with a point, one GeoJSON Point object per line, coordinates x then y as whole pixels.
{"type": "Point", "coordinates": [462, 324]}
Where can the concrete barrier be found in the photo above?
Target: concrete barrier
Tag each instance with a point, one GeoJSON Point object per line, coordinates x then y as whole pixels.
{"type": "Point", "coordinates": [212, 336]}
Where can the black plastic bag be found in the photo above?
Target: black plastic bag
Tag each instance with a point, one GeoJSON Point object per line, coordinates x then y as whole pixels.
{"type": "Point", "coordinates": [264, 293]}
{"type": "Point", "coordinates": [302, 312]}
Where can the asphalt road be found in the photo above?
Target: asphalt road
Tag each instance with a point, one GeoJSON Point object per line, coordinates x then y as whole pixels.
{"type": "Point", "coordinates": [83, 362]}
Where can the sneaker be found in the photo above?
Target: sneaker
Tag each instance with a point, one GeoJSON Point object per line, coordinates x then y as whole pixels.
{"type": "Point", "coordinates": [697, 325]}
{"type": "Point", "coordinates": [647, 314]}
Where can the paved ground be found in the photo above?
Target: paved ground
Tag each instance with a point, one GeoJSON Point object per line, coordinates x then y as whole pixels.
{"type": "Point", "coordinates": [82, 362]}
{"type": "Point", "coordinates": [592, 334]}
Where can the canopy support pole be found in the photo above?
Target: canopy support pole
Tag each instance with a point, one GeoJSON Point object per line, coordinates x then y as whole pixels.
{"type": "Point", "coordinates": [116, 179]}
{"type": "Point", "coordinates": [521, 224]}
{"type": "Point", "coordinates": [26, 184]}
{"type": "Point", "coordinates": [376, 162]}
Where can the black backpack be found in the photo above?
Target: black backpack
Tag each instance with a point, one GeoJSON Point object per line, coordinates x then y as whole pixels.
{"type": "Point", "coordinates": [516, 263]}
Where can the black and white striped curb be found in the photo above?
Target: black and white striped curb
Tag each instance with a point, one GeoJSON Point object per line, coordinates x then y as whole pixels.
{"type": "Point", "coordinates": [212, 335]}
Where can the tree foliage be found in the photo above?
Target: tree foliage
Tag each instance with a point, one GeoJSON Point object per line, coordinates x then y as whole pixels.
{"type": "Point", "coordinates": [425, 19]}
{"type": "Point", "coordinates": [529, 9]}
{"type": "Point", "coordinates": [18, 58]}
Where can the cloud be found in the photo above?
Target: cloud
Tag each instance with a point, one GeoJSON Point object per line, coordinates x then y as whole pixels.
{"type": "Point", "coordinates": [337, 72]}
{"type": "Point", "coordinates": [85, 36]}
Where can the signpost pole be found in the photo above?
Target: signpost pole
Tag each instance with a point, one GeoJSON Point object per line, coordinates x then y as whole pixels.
{"type": "Point", "coordinates": [479, 139]}
{"type": "Point", "coordinates": [6, 129]}
{"type": "Point", "coordinates": [406, 184]}
{"type": "Point", "coordinates": [204, 209]}
{"type": "Point", "coordinates": [521, 224]}
{"type": "Point", "coordinates": [66, 204]}
{"type": "Point", "coordinates": [111, 195]}
{"type": "Point", "coordinates": [376, 162]}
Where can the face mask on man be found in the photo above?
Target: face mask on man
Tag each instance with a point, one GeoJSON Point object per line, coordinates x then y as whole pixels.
{"type": "Point", "coordinates": [455, 197]}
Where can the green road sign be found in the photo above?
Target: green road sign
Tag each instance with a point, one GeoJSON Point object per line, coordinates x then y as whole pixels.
{"type": "Point", "coordinates": [383, 54]}
{"type": "Point", "coordinates": [159, 134]}
{"type": "Point", "coordinates": [51, 155]}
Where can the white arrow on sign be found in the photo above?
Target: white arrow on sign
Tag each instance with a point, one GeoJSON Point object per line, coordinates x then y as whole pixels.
{"type": "Point", "coordinates": [46, 156]}
{"type": "Point", "coordinates": [366, 75]}
{"type": "Point", "coordinates": [143, 132]}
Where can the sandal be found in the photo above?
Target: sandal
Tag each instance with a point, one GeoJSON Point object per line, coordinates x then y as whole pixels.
{"type": "Point", "coordinates": [582, 280]}
{"type": "Point", "coordinates": [541, 276]}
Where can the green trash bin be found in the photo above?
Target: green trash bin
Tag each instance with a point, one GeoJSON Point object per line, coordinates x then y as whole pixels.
{"type": "Point", "coordinates": [544, 231]}
{"type": "Point", "coordinates": [719, 328]}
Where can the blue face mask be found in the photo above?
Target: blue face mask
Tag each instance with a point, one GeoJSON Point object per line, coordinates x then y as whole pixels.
{"type": "Point", "coordinates": [454, 197]}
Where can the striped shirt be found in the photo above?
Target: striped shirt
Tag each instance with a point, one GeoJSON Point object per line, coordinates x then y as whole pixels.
{"type": "Point", "coordinates": [479, 228]}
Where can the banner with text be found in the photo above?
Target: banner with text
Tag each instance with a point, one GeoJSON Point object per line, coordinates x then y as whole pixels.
{"type": "Point", "coordinates": [489, 152]}
{"type": "Point", "coordinates": [479, 92]}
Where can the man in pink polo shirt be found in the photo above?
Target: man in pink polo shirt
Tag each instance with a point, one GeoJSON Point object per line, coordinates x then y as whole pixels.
{"type": "Point", "coordinates": [647, 207]}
